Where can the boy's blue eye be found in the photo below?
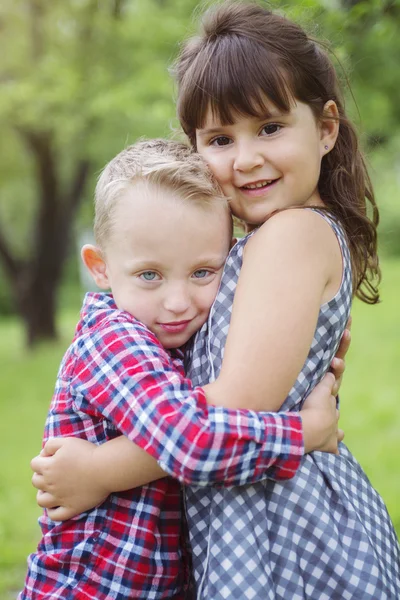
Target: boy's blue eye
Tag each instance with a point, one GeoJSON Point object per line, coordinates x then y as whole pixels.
{"type": "Point", "coordinates": [148, 275]}
{"type": "Point", "coordinates": [271, 128]}
{"type": "Point", "coordinates": [201, 273]}
{"type": "Point", "coordinates": [221, 140]}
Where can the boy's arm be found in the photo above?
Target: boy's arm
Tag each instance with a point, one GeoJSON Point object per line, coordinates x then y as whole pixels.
{"type": "Point", "coordinates": [124, 374]}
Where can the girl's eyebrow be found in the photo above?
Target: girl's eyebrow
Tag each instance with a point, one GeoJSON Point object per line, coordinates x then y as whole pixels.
{"type": "Point", "coordinates": [211, 130]}
{"type": "Point", "coordinates": [274, 113]}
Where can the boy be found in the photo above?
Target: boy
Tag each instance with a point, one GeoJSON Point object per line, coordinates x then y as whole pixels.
{"type": "Point", "coordinates": [163, 231]}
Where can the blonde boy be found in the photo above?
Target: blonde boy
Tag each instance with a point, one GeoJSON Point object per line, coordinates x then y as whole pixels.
{"type": "Point", "coordinates": [163, 231]}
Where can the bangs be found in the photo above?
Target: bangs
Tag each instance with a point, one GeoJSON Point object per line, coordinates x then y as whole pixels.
{"type": "Point", "coordinates": [222, 80]}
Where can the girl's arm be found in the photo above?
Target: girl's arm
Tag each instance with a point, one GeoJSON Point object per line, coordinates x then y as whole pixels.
{"type": "Point", "coordinates": [291, 266]}
{"type": "Point", "coordinates": [73, 475]}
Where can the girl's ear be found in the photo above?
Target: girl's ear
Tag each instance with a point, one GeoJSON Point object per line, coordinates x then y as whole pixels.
{"type": "Point", "coordinates": [329, 127]}
{"type": "Point", "coordinates": [94, 262]}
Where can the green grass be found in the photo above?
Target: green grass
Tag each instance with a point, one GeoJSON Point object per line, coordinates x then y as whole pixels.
{"type": "Point", "coordinates": [26, 386]}
{"type": "Point", "coordinates": [370, 392]}
{"type": "Point", "coordinates": [370, 416]}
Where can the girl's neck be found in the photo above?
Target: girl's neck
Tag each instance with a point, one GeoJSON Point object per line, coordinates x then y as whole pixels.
{"type": "Point", "coordinates": [314, 201]}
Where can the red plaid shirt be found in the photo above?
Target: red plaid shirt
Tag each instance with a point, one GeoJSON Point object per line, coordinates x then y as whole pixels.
{"type": "Point", "coordinates": [116, 378]}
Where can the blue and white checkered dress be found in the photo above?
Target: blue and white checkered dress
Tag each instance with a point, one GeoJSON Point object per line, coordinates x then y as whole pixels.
{"type": "Point", "coordinates": [323, 535]}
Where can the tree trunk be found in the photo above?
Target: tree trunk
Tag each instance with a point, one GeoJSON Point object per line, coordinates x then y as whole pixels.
{"type": "Point", "coordinates": [35, 281]}
{"type": "Point", "coordinates": [37, 307]}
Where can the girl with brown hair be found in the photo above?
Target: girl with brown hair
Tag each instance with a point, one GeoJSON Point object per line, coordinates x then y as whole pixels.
{"type": "Point", "coordinates": [260, 101]}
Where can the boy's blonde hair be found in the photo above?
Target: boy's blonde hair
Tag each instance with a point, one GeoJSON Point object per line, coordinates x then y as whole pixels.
{"type": "Point", "coordinates": [165, 163]}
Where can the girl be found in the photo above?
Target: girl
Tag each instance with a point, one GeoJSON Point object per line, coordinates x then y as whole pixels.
{"type": "Point", "coordinates": [260, 101]}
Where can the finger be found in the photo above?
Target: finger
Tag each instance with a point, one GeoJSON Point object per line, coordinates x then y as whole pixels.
{"type": "Point", "coordinates": [338, 367]}
{"type": "Point", "coordinates": [336, 387]}
{"type": "Point", "coordinates": [46, 500]}
{"type": "Point", "coordinates": [38, 481]}
{"type": "Point", "coordinates": [344, 344]}
{"type": "Point", "coordinates": [51, 446]}
{"type": "Point", "coordinates": [60, 513]}
{"type": "Point", "coordinates": [36, 464]}
{"type": "Point", "coordinates": [328, 380]}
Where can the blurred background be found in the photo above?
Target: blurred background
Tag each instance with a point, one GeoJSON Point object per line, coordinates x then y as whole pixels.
{"type": "Point", "coordinates": [79, 81]}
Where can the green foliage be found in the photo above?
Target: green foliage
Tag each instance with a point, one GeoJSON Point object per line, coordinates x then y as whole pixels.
{"type": "Point", "coordinates": [363, 34]}
{"type": "Point", "coordinates": [95, 75]}
{"type": "Point", "coordinates": [93, 79]}
{"type": "Point", "coordinates": [386, 176]}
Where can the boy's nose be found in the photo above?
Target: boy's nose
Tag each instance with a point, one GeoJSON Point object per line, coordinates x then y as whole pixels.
{"type": "Point", "coordinates": [248, 157]}
{"type": "Point", "coordinates": [177, 300]}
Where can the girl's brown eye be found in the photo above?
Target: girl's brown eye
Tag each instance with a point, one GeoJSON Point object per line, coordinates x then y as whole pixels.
{"type": "Point", "coordinates": [221, 140]}
{"type": "Point", "coordinates": [270, 128]}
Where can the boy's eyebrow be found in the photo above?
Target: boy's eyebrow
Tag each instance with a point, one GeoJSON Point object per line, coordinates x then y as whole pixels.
{"type": "Point", "coordinates": [143, 264]}
{"type": "Point", "coordinates": [205, 260]}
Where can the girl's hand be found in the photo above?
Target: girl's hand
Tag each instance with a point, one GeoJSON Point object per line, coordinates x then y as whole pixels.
{"type": "Point", "coordinates": [66, 478]}
{"type": "Point", "coordinates": [320, 418]}
{"type": "Point", "coordinates": [338, 363]}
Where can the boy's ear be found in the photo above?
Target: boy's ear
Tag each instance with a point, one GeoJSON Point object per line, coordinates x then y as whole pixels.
{"type": "Point", "coordinates": [329, 127]}
{"type": "Point", "coordinates": [94, 262]}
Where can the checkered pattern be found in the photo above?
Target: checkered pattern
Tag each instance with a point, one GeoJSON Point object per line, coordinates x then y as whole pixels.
{"type": "Point", "coordinates": [323, 535]}
{"type": "Point", "coordinates": [116, 378]}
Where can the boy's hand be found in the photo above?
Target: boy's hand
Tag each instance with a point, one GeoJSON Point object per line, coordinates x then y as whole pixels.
{"type": "Point", "coordinates": [338, 363]}
{"type": "Point", "coordinates": [66, 479]}
{"type": "Point", "coordinates": [320, 418]}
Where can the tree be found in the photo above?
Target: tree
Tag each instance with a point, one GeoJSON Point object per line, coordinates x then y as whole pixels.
{"type": "Point", "coordinates": [79, 80]}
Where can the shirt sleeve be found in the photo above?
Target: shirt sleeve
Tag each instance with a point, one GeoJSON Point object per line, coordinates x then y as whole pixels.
{"type": "Point", "coordinates": [125, 374]}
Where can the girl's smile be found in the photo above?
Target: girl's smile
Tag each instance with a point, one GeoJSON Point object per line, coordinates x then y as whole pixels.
{"type": "Point", "coordinates": [267, 164]}
{"type": "Point", "coordinates": [259, 188]}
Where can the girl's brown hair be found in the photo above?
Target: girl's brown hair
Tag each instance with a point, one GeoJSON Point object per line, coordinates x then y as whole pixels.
{"type": "Point", "coordinates": [246, 54]}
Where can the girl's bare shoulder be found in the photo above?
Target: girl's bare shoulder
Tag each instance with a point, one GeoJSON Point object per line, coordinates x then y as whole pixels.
{"type": "Point", "coordinates": [295, 230]}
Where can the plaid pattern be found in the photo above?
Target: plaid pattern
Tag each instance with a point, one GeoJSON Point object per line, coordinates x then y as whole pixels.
{"type": "Point", "coordinates": [116, 378]}
{"type": "Point", "coordinates": [323, 535]}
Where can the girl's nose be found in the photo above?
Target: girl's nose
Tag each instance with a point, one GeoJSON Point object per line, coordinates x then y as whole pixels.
{"type": "Point", "coordinates": [248, 157]}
